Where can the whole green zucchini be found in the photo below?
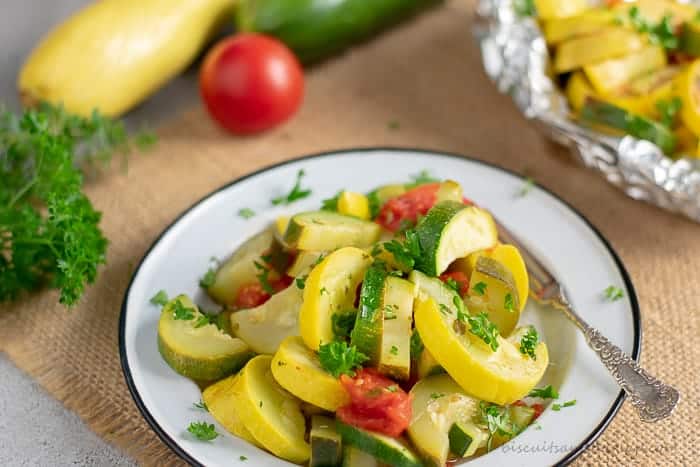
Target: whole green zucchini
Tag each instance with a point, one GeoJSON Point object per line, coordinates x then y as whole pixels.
{"type": "Point", "coordinates": [317, 29]}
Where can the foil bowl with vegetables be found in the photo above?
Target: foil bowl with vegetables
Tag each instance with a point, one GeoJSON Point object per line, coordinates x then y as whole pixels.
{"type": "Point", "coordinates": [615, 81]}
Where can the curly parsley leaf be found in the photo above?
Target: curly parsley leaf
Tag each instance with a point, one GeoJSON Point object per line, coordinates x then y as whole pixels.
{"type": "Point", "coordinates": [201, 405]}
{"type": "Point", "coordinates": [668, 110]}
{"type": "Point", "coordinates": [497, 421]}
{"type": "Point", "coordinates": [331, 204]}
{"type": "Point", "coordinates": [479, 288]}
{"type": "Point", "coordinates": [208, 279]}
{"type": "Point", "coordinates": [421, 178]}
{"type": "Point", "coordinates": [529, 342]}
{"type": "Point", "coordinates": [417, 346]}
{"type": "Point", "coordinates": [203, 431]}
{"type": "Point", "coordinates": [49, 229]}
{"type": "Point", "coordinates": [547, 392]}
{"type": "Point", "coordinates": [246, 213]}
{"type": "Point", "coordinates": [263, 277]}
{"type": "Point", "coordinates": [339, 358]}
{"type": "Point", "coordinates": [182, 312]}
{"type": "Point", "coordinates": [508, 303]}
{"type": "Point", "coordinates": [407, 252]}
{"type": "Point", "coordinates": [160, 298]}
{"type": "Point", "coordinates": [296, 194]}
{"type": "Point", "coordinates": [558, 407]}
{"type": "Point", "coordinates": [375, 205]}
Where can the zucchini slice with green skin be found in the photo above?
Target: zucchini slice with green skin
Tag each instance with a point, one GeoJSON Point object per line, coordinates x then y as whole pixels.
{"type": "Point", "coordinates": [353, 457]}
{"type": "Point", "coordinates": [690, 38]}
{"type": "Point", "coordinates": [384, 448]}
{"type": "Point", "coordinates": [327, 231]}
{"type": "Point", "coordinates": [369, 323]}
{"type": "Point", "coordinates": [266, 326]}
{"type": "Point", "coordinates": [397, 304]}
{"type": "Point", "coordinates": [317, 29]}
{"type": "Point", "coordinates": [427, 365]}
{"type": "Point", "coordinates": [452, 230]}
{"type": "Point", "coordinates": [326, 443]}
{"type": "Point", "coordinates": [602, 113]}
{"type": "Point", "coordinates": [465, 438]}
{"type": "Point", "coordinates": [203, 353]}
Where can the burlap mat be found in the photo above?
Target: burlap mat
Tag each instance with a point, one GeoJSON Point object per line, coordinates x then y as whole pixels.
{"type": "Point", "coordinates": [426, 76]}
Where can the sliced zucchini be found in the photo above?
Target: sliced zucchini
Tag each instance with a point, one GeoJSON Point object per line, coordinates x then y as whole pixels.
{"type": "Point", "coordinates": [397, 303]}
{"type": "Point", "coordinates": [354, 204]}
{"type": "Point", "coordinates": [219, 399]}
{"type": "Point", "coordinates": [437, 403]}
{"type": "Point", "coordinates": [610, 75]}
{"type": "Point", "coordinates": [353, 457]}
{"type": "Point", "coordinates": [385, 448]}
{"type": "Point", "coordinates": [466, 438]}
{"type": "Point", "coordinates": [326, 444]}
{"type": "Point", "coordinates": [602, 113]}
{"type": "Point", "coordinates": [502, 376]}
{"type": "Point", "coordinates": [427, 365]}
{"type": "Point", "coordinates": [520, 417]}
{"type": "Point", "coordinates": [304, 262]}
{"type": "Point", "coordinates": [266, 326]}
{"type": "Point", "coordinates": [272, 416]}
{"type": "Point", "coordinates": [297, 369]}
{"type": "Point", "coordinates": [452, 230]}
{"type": "Point", "coordinates": [240, 269]}
{"type": "Point", "coordinates": [498, 296]}
{"type": "Point", "coordinates": [611, 42]}
{"type": "Point", "coordinates": [435, 289]}
{"type": "Point", "coordinates": [369, 323]}
{"type": "Point", "coordinates": [203, 353]}
{"type": "Point", "coordinates": [330, 288]}
{"type": "Point", "coordinates": [327, 231]}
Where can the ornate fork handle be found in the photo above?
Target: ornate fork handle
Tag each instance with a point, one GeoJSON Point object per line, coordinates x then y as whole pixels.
{"type": "Point", "coordinates": [653, 399]}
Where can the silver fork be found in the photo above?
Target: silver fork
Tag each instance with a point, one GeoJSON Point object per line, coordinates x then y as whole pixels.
{"type": "Point", "coordinates": [653, 399]}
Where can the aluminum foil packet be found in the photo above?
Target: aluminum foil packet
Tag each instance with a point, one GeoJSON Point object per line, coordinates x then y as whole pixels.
{"type": "Point", "coordinates": [516, 58]}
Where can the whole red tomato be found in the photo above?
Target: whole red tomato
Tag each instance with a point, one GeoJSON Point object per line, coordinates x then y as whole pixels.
{"type": "Point", "coordinates": [251, 82]}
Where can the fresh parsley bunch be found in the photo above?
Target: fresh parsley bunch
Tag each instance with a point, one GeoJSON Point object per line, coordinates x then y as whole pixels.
{"type": "Point", "coordinates": [49, 229]}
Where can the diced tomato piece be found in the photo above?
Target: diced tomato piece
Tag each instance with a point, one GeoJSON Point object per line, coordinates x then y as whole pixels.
{"type": "Point", "coordinates": [252, 295]}
{"type": "Point", "coordinates": [376, 403]}
{"type": "Point", "coordinates": [408, 206]}
{"type": "Point", "coordinates": [539, 408]}
{"type": "Point", "coordinates": [467, 201]}
{"type": "Point", "coordinates": [460, 278]}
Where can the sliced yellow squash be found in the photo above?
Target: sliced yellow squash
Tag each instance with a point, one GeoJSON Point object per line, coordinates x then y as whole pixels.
{"type": "Point", "coordinates": [501, 377]}
{"type": "Point", "coordinates": [297, 369]}
{"type": "Point", "coordinates": [609, 43]}
{"type": "Point", "coordinates": [353, 204]}
{"type": "Point", "coordinates": [548, 9]}
{"type": "Point", "coordinates": [610, 75]}
{"type": "Point", "coordinates": [304, 262]}
{"type": "Point", "coordinates": [270, 413]}
{"type": "Point", "coordinates": [557, 30]}
{"type": "Point", "coordinates": [492, 290]}
{"type": "Point", "coordinates": [330, 288]}
{"type": "Point", "coordinates": [266, 326]}
{"type": "Point", "coordinates": [219, 399]}
{"type": "Point", "coordinates": [194, 348]}
{"type": "Point", "coordinates": [281, 224]}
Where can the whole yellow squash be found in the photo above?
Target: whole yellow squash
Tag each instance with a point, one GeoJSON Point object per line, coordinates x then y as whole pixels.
{"type": "Point", "coordinates": [113, 54]}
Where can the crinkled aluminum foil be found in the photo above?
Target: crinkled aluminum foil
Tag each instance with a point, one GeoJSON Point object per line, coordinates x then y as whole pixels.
{"type": "Point", "coordinates": [515, 57]}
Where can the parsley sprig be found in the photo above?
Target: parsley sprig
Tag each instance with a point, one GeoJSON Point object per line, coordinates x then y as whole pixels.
{"type": "Point", "coordinates": [182, 312]}
{"type": "Point", "coordinates": [668, 110]}
{"type": "Point", "coordinates": [296, 194]}
{"type": "Point", "coordinates": [49, 229]}
{"type": "Point", "coordinates": [331, 204]}
{"type": "Point", "coordinates": [203, 431]}
{"type": "Point", "coordinates": [160, 298]}
{"type": "Point", "coordinates": [547, 392]}
{"type": "Point", "coordinates": [264, 277]}
{"type": "Point", "coordinates": [479, 325]}
{"type": "Point", "coordinates": [343, 323]}
{"type": "Point", "coordinates": [496, 420]}
{"type": "Point", "coordinates": [661, 34]}
{"type": "Point", "coordinates": [529, 342]}
{"type": "Point", "coordinates": [339, 358]}
{"type": "Point", "coordinates": [558, 407]}
{"type": "Point", "coordinates": [613, 293]}
{"type": "Point", "coordinates": [406, 252]}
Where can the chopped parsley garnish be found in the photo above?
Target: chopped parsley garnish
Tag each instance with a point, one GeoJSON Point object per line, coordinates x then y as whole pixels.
{"type": "Point", "coordinates": [394, 350]}
{"type": "Point", "coordinates": [201, 405]}
{"type": "Point", "coordinates": [437, 395]}
{"type": "Point", "coordinates": [444, 309]}
{"type": "Point", "coordinates": [390, 312]}
{"type": "Point", "coordinates": [526, 188]}
{"type": "Point", "coordinates": [421, 178]}
{"type": "Point", "coordinates": [182, 312]}
{"type": "Point", "coordinates": [528, 343]}
{"type": "Point", "coordinates": [393, 125]}
{"type": "Point", "coordinates": [208, 279]}
{"type": "Point", "coordinates": [260, 404]}
{"type": "Point", "coordinates": [300, 282]}
{"type": "Point", "coordinates": [451, 283]}
{"type": "Point", "coordinates": [558, 407]}
{"type": "Point", "coordinates": [205, 319]}
{"type": "Point", "coordinates": [323, 290]}
{"type": "Point", "coordinates": [407, 252]}
{"type": "Point", "coordinates": [343, 324]}
{"type": "Point", "coordinates": [668, 110]}
{"type": "Point", "coordinates": [547, 392]}
{"type": "Point", "coordinates": [161, 298]}
{"type": "Point", "coordinates": [392, 388]}
{"type": "Point", "coordinates": [246, 213]}
{"type": "Point", "coordinates": [416, 345]}
{"type": "Point", "coordinates": [375, 204]}
{"type": "Point", "coordinates": [203, 431]}
{"type": "Point", "coordinates": [613, 293]}
{"type": "Point", "coordinates": [264, 277]}
{"type": "Point", "coordinates": [462, 314]}
{"type": "Point", "coordinates": [524, 8]}
{"type": "Point", "coordinates": [242, 458]}
{"type": "Point", "coordinates": [483, 328]}
{"type": "Point", "coordinates": [331, 204]}
{"type": "Point", "coordinates": [661, 34]}
{"type": "Point", "coordinates": [339, 358]}
{"type": "Point", "coordinates": [508, 303]}
{"type": "Point", "coordinates": [479, 288]}
{"type": "Point", "coordinates": [496, 420]}
{"type": "Point", "coordinates": [296, 194]}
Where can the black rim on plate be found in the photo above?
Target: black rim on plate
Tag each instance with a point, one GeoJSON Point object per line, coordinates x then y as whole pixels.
{"type": "Point", "coordinates": [570, 456]}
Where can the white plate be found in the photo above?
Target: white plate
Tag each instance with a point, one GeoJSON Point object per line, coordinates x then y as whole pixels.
{"type": "Point", "coordinates": [577, 253]}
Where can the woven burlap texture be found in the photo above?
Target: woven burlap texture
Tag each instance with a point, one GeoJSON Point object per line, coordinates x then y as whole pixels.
{"type": "Point", "coordinates": [426, 76]}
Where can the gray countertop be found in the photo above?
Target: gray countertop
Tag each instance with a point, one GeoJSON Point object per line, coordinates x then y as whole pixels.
{"type": "Point", "coordinates": [35, 429]}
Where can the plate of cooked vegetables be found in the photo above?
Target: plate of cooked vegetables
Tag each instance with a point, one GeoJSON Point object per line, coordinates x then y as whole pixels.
{"type": "Point", "coordinates": [357, 308]}
{"type": "Point", "coordinates": [603, 76]}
